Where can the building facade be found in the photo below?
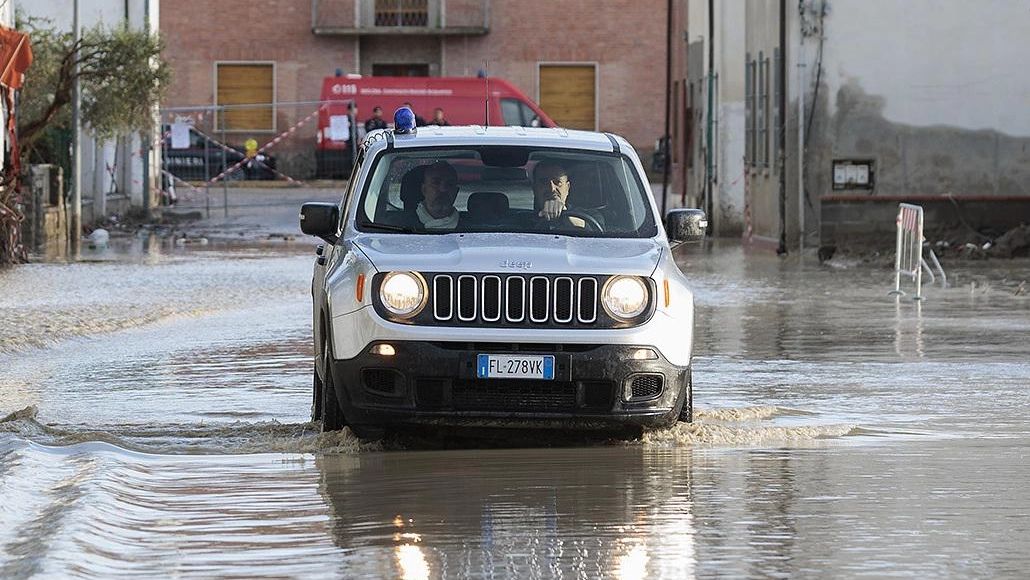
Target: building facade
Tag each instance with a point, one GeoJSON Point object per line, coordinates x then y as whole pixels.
{"type": "Point", "coordinates": [850, 107]}
{"type": "Point", "coordinates": [112, 172]}
{"type": "Point", "coordinates": [591, 65]}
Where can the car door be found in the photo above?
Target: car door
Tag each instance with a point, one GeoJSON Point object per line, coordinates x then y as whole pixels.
{"type": "Point", "coordinates": [330, 255]}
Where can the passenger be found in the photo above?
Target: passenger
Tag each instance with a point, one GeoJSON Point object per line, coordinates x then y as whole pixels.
{"type": "Point", "coordinates": [438, 118]}
{"type": "Point", "coordinates": [551, 187]}
{"type": "Point", "coordinates": [376, 121]}
{"type": "Point", "coordinates": [436, 211]}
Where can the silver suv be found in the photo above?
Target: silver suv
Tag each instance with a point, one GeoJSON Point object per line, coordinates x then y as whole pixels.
{"type": "Point", "coordinates": [488, 313]}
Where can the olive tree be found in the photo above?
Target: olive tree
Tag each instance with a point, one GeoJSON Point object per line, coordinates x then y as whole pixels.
{"type": "Point", "coordinates": [121, 75]}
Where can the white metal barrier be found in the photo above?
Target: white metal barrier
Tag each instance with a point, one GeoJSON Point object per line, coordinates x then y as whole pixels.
{"type": "Point", "coordinates": [908, 259]}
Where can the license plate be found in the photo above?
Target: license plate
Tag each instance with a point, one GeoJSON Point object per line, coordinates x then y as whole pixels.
{"type": "Point", "coordinates": [515, 366]}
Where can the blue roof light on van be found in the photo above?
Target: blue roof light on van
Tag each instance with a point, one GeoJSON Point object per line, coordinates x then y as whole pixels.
{"type": "Point", "coordinates": [404, 121]}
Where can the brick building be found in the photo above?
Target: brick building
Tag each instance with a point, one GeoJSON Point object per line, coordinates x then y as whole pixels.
{"type": "Point", "coordinates": [590, 64]}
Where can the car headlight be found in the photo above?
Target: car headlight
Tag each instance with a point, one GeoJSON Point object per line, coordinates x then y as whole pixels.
{"type": "Point", "coordinates": [403, 293]}
{"type": "Point", "coordinates": [625, 297]}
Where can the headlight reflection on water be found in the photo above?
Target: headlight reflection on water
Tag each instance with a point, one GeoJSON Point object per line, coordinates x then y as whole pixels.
{"type": "Point", "coordinates": [411, 562]}
{"type": "Point", "coordinates": [633, 564]}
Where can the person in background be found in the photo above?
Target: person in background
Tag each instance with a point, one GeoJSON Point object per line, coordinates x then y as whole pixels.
{"type": "Point", "coordinates": [376, 121]}
{"type": "Point", "coordinates": [420, 121]}
{"type": "Point", "coordinates": [438, 118]}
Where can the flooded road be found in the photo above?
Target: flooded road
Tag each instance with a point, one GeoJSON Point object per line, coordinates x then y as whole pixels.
{"type": "Point", "coordinates": [154, 407]}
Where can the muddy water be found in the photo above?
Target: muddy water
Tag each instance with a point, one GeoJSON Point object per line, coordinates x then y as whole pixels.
{"type": "Point", "coordinates": [153, 422]}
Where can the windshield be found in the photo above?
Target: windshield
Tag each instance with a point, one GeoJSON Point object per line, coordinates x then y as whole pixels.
{"type": "Point", "coordinates": [505, 189]}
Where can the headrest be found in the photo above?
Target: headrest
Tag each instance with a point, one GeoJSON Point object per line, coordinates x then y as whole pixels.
{"type": "Point", "coordinates": [588, 185]}
{"type": "Point", "coordinates": [488, 204]}
{"type": "Point", "coordinates": [411, 187]}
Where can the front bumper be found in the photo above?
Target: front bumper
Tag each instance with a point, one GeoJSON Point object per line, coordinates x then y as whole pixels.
{"type": "Point", "coordinates": [594, 386]}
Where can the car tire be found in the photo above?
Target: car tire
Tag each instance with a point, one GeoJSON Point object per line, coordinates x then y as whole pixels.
{"type": "Point", "coordinates": [332, 416]}
{"type": "Point", "coordinates": [316, 398]}
{"type": "Point", "coordinates": [687, 410]}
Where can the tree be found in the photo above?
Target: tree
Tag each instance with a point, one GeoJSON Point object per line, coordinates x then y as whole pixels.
{"type": "Point", "coordinates": [122, 78]}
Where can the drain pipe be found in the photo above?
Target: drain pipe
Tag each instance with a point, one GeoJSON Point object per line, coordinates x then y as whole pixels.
{"type": "Point", "coordinates": [709, 161]}
{"type": "Point", "coordinates": [801, 126]}
{"type": "Point", "coordinates": [666, 141]}
{"type": "Point", "coordinates": [782, 248]}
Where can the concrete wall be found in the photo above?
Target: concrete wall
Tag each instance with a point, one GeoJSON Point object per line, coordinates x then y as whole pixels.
{"type": "Point", "coordinates": [728, 199]}
{"type": "Point", "coordinates": [729, 209]}
{"type": "Point", "coordinates": [45, 229]}
{"type": "Point", "coordinates": [931, 92]}
{"type": "Point", "coordinates": [763, 220]}
{"type": "Point", "coordinates": [940, 107]}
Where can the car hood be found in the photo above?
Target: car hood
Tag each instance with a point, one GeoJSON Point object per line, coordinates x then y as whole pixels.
{"type": "Point", "coordinates": [499, 253]}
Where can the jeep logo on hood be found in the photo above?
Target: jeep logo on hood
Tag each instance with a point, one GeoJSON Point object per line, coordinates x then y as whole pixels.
{"type": "Point", "coordinates": [517, 264]}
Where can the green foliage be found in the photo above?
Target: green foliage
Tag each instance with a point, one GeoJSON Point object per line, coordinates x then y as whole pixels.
{"type": "Point", "coordinates": [121, 78]}
{"type": "Point", "coordinates": [121, 75]}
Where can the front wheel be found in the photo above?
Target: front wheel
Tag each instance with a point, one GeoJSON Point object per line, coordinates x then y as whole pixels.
{"type": "Point", "coordinates": [687, 410]}
{"type": "Point", "coordinates": [332, 418]}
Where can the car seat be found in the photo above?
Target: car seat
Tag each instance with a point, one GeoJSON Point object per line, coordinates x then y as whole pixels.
{"type": "Point", "coordinates": [411, 188]}
{"type": "Point", "coordinates": [587, 186]}
{"type": "Point", "coordinates": [487, 207]}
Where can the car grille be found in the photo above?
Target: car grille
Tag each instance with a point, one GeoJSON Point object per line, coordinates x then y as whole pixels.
{"type": "Point", "coordinates": [526, 395]}
{"type": "Point", "coordinates": [510, 396]}
{"type": "Point", "coordinates": [514, 299]}
{"type": "Point", "coordinates": [560, 301]}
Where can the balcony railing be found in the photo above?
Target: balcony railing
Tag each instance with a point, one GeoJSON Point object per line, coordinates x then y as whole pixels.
{"type": "Point", "coordinates": [374, 17]}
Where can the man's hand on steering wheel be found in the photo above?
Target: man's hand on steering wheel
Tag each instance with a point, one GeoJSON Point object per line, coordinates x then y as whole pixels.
{"type": "Point", "coordinates": [580, 219]}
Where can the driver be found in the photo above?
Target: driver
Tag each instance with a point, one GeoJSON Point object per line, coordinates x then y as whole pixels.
{"type": "Point", "coordinates": [551, 188]}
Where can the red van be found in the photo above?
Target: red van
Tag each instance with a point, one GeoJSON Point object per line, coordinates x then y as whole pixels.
{"type": "Point", "coordinates": [465, 101]}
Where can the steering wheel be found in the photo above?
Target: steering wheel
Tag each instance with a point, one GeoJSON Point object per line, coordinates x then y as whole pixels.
{"type": "Point", "coordinates": [590, 223]}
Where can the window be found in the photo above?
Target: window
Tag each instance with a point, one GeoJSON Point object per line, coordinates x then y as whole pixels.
{"type": "Point", "coordinates": [401, 12]}
{"type": "Point", "coordinates": [568, 95]}
{"type": "Point", "coordinates": [749, 111]}
{"type": "Point", "coordinates": [241, 86]}
{"type": "Point", "coordinates": [495, 191]}
{"type": "Point", "coordinates": [777, 117]}
{"type": "Point", "coordinates": [515, 112]}
{"type": "Point", "coordinates": [762, 149]}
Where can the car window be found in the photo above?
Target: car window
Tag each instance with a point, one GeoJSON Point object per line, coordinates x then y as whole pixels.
{"type": "Point", "coordinates": [495, 192]}
{"type": "Point", "coordinates": [515, 112]}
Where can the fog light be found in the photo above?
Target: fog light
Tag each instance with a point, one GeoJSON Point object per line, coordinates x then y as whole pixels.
{"type": "Point", "coordinates": [383, 350]}
{"type": "Point", "coordinates": [643, 354]}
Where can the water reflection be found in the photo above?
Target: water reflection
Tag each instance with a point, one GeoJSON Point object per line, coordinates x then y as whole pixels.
{"type": "Point", "coordinates": [908, 329]}
{"type": "Point", "coordinates": [622, 512]}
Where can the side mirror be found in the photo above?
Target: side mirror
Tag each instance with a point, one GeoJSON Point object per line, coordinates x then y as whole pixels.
{"type": "Point", "coordinates": [320, 219]}
{"type": "Point", "coordinates": [686, 225]}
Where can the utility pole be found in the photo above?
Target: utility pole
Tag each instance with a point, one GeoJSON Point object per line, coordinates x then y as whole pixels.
{"type": "Point", "coordinates": [801, 129]}
{"type": "Point", "coordinates": [709, 205]}
{"type": "Point", "coordinates": [75, 235]}
{"type": "Point", "coordinates": [146, 136]}
{"type": "Point", "coordinates": [665, 144]}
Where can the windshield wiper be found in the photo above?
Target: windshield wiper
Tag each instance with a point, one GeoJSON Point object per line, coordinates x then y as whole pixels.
{"type": "Point", "coordinates": [386, 227]}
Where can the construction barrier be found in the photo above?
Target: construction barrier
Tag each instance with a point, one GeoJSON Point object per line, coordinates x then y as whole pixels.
{"type": "Point", "coordinates": [908, 259]}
